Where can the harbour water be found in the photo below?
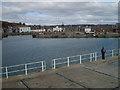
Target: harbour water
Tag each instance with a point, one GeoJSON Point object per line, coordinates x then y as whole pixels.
{"type": "Point", "coordinates": [25, 49]}
{"type": "Point", "coordinates": [0, 52]}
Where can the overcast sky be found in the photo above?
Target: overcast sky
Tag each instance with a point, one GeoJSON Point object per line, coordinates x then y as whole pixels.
{"type": "Point", "coordinates": [49, 13]}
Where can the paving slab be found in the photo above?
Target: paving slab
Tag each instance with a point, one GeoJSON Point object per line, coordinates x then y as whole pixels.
{"type": "Point", "coordinates": [108, 66]}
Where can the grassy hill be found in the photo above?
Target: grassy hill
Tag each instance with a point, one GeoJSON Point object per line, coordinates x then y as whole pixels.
{"type": "Point", "coordinates": [5, 24]}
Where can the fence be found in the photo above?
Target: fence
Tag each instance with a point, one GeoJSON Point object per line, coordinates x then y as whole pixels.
{"type": "Point", "coordinates": [23, 68]}
{"type": "Point", "coordinates": [66, 61]}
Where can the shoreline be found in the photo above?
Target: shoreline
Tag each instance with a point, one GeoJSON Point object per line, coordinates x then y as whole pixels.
{"type": "Point", "coordinates": [61, 35]}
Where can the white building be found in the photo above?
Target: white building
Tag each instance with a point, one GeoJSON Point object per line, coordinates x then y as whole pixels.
{"type": "Point", "coordinates": [88, 30]}
{"type": "Point", "coordinates": [28, 29]}
{"type": "Point", "coordinates": [38, 30]}
{"type": "Point", "coordinates": [57, 29]}
{"type": "Point", "coordinates": [24, 29]}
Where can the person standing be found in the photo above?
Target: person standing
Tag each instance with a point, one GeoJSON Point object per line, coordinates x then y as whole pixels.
{"type": "Point", "coordinates": [103, 51]}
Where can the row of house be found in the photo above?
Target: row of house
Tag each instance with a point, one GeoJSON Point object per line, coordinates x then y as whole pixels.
{"type": "Point", "coordinates": [28, 29]}
{"type": "Point", "coordinates": [63, 28]}
{"type": "Point", "coordinates": [54, 29]}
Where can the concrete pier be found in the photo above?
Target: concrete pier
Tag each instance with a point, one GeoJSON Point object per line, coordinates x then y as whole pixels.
{"type": "Point", "coordinates": [96, 74]}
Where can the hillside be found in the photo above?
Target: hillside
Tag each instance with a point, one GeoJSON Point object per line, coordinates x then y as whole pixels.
{"type": "Point", "coordinates": [5, 24]}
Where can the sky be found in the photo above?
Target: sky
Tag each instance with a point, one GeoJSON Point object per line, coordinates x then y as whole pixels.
{"type": "Point", "coordinates": [52, 12]}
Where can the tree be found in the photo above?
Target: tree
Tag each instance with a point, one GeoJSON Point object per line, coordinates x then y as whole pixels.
{"type": "Point", "coordinates": [24, 24]}
{"type": "Point", "coordinates": [20, 23]}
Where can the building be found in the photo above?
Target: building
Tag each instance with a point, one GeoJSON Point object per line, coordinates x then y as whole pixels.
{"type": "Point", "coordinates": [38, 30]}
{"type": "Point", "coordinates": [57, 29]}
{"type": "Point", "coordinates": [24, 29]}
{"type": "Point", "coordinates": [28, 29]}
{"type": "Point", "coordinates": [35, 27]}
{"type": "Point", "coordinates": [88, 30]}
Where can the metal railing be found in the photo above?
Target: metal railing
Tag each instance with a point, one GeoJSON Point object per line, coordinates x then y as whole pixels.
{"type": "Point", "coordinates": [66, 61]}
{"type": "Point", "coordinates": [41, 66]}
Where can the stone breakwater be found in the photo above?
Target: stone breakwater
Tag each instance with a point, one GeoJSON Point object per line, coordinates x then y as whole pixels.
{"type": "Point", "coordinates": [74, 35]}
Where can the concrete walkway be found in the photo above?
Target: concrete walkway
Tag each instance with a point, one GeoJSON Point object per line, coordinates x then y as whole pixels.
{"type": "Point", "coordinates": [96, 74]}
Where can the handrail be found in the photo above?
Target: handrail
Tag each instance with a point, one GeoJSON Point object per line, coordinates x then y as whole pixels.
{"type": "Point", "coordinates": [67, 60]}
{"type": "Point", "coordinates": [92, 56]}
{"type": "Point", "coordinates": [21, 64]}
{"type": "Point", "coordinates": [25, 68]}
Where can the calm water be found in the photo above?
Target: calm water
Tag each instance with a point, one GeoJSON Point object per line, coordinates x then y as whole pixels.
{"type": "Point", "coordinates": [25, 49]}
{"type": "Point", "coordinates": [0, 52]}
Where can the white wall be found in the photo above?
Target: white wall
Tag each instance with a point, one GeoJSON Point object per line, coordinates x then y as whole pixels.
{"type": "Point", "coordinates": [24, 29]}
{"type": "Point", "coordinates": [39, 30]}
{"type": "Point", "coordinates": [28, 29]}
{"type": "Point", "coordinates": [87, 30]}
{"type": "Point", "coordinates": [57, 29]}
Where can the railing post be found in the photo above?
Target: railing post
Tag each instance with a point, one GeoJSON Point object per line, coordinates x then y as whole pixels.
{"type": "Point", "coordinates": [118, 51]}
{"type": "Point", "coordinates": [80, 59]}
{"type": "Point", "coordinates": [95, 56]}
{"type": "Point", "coordinates": [90, 57]}
{"type": "Point", "coordinates": [54, 64]}
{"type": "Point", "coordinates": [25, 69]}
{"type": "Point", "coordinates": [68, 61]}
{"type": "Point", "coordinates": [112, 53]}
{"type": "Point", "coordinates": [42, 66]}
{"type": "Point", "coordinates": [6, 72]}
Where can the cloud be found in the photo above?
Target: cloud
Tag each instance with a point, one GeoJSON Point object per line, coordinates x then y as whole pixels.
{"type": "Point", "coordinates": [47, 0]}
{"type": "Point", "coordinates": [58, 12]}
{"type": "Point", "coordinates": [60, 0]}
